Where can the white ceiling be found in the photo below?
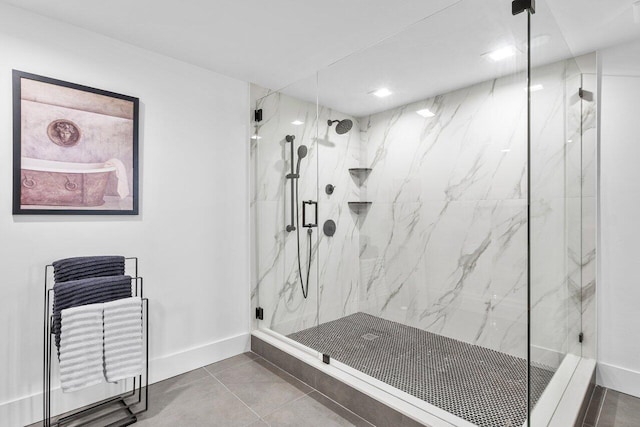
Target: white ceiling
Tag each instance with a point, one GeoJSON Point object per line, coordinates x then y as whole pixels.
{"type": "Point", "coordinates": [276, 42]}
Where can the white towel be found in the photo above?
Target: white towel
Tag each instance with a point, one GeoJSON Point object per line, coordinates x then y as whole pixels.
{"type": "Point", "coordinates": [81, 355]}
{"type": "Point", "coordinates": [121, 174]}
{"type": "Point", "coordinates": [123, 338]}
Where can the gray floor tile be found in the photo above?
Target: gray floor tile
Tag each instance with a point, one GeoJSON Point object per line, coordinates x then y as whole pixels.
{"type": "Point", "coordinates": [619, 410]}
{"type": "Point", "coordinates": [178, 381]}
{"type": "Point", "coordinates": [204, 402]}
{"type": "Point", "coordinates": [593, 409]}
{"type": "Point", "coordinates": [262, 386]}
{"type": "Point", "coordinates": [231, 362]}
{"type": "Point", "coordinates": [365, 406]}
{"type": "Point", "coordinates": [316, 410]}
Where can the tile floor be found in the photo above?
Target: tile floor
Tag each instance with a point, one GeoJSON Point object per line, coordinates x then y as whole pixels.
{"type": "Point", "coordinates": [244, 390]}
{"type": "Point", "coordinates": [610, 408]}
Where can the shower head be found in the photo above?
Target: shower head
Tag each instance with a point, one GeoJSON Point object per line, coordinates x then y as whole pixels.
{"type": "Point", "coordinates": [302, 153]}
{"type": "Point", "coordinates": [342, 127]}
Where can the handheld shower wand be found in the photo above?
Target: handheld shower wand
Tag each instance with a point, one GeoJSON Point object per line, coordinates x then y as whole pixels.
{"type": "Point", "coordinates": [295, 221]}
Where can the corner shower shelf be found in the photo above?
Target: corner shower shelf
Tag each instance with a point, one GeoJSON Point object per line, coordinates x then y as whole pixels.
{"type": "Point", "coordinates": [358, 207]}
{"type": "Point", "coordinates": [360, 174]}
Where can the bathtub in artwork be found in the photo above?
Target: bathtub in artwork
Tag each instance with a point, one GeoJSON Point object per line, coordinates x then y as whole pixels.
{"type": "Point", "coordinates": [53, 183]}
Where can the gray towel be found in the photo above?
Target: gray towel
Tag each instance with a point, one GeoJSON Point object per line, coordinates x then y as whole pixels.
{"type": "Point", "coordinates": [123, 339]}
{"type": "Point", "coordinates": [81, 347]}
{"type": "Point", "coordinates": [86, 291]}
{"type": "Point", "coordinates": [84, 267]}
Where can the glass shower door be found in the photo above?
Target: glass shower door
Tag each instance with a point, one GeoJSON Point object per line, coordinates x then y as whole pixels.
{"type": "Point", "coordinates": [558, 107]}
{"type": "Point", "coordinates": [284, 151]}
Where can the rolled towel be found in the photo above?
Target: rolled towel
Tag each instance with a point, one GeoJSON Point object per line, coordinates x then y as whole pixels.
{"type": "Point", "coordinates": [86, 291]}
{"type": "Point", "coordinates": [81, 338]}
{"type": "Point", "coordinates": [121, 175]}
{"type": "Point", "coordinates": [123, 338]}
{"type": "Point", "coordinates": [91, 266]}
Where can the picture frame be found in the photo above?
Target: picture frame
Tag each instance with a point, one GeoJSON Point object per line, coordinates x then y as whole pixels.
{"type": "Point", "coordinates": [75, 149]}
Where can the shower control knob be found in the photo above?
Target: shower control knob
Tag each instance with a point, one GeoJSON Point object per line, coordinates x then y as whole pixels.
{"type": "Point", "coordinates": [329, 188]}
{"type": "Point", "coordinates": [329, 228]}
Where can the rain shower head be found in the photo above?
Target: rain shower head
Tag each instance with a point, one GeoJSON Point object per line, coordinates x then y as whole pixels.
{"type": "Point", "coordinates": [342, 127]}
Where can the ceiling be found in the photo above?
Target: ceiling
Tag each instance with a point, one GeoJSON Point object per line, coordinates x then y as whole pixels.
{"type": "Point", "coordinates": [417, 50]}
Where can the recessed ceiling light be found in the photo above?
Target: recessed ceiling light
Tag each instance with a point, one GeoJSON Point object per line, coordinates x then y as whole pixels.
{"type": "Point", "coordinates": [256, 137]}
{"type": "Point", "coordinates": [382, 92]}
{"type": "Point", "coordinates": [506, 150]}
{"type": "Point", "coordinates": [425, 112]}
{"type": "Point", "coordinates": [297, 122]}
{"type": "Point", "coordinates": [540, 40]}
{"type": "Point", "coordinates": [535, 88]}
{"type": "Point", "coordinates": [502, 53]}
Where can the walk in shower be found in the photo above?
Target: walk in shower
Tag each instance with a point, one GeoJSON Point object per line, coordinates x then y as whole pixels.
{"type": "Point", "coordinates": [423, 213]}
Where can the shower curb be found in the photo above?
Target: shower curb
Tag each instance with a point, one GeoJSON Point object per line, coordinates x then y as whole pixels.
{"type": "Point", "coordinates": [370, 406]}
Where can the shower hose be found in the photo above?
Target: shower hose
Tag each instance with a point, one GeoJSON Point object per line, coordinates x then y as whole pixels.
{"type": "Point", "coordinates": [305, 286]}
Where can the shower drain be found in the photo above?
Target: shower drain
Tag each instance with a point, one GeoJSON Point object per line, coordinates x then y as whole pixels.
{"type": "Point", "coordinates": [370, 337]}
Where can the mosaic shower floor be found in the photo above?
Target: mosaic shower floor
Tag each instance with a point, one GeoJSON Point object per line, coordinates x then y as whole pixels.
{"type": "Point", "coordinates": [483, 386]}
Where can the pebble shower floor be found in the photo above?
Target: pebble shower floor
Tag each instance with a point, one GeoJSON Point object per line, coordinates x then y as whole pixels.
{"type": "Point", "coordinates": [482, 386]}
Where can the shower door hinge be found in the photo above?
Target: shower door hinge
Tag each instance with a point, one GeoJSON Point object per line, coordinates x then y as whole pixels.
{"type": "Point", "coordinates": [259, 313]}
{"type": "Point", "coordinates": [581, 337]}
{"type": "Point", "coordinates": [326, 358]}
{"type": "Point", "coordinates": [257, 115]}
{"type": "Point", "coordinates": [585, 94]}
{"type": "Point", "coordinates": [519, 6]}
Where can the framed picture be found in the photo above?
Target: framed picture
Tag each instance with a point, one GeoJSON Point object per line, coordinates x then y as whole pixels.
{"type": "Point", "coordinates": [75, 149]}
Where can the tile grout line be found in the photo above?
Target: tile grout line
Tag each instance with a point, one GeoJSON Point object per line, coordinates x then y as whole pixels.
{"type": "Point", "coordinates": [312, 390]}
{"type": "Point", "coordinates": [345, 408]}
{"type": "Point", "coordinates": [291, 401]}
{"type": "Point", "coordinates": [606, 390]}
{"type": "Point", "coordinates": [292, 376]}
{"type": "Point", "coordinates": [243, 402]}
{"type": "Point", "coordinates": [234, 395]}
{"type": "Point", "coordinates": [226, 369]}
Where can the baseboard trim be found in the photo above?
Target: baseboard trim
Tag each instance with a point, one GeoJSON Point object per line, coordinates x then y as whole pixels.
{"type": "Point", "coordinates": [28, 409]}
{"type": "Point", "coordinates": [619, 379]}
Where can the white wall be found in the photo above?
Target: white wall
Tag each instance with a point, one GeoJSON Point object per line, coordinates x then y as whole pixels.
{"type": "Point", "coordinates": [192, 236]}
{"type": "Point", "coordinates": [619, 276]}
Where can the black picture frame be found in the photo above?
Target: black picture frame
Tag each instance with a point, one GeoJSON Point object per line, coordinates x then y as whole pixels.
{"type": "Point", "coordinates": [41, 190]}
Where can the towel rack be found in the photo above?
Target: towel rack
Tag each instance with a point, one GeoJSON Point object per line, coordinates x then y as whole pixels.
{"type": "Point", "coordinates": [131, 402]}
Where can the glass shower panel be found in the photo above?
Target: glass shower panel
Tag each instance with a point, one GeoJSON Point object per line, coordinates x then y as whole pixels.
{"type": "Point", "coordinates": [423, 286]}
{"type": "Point", "coordinates": [284, 150]}
{"type": "Point", "coordinates": [556, 177]}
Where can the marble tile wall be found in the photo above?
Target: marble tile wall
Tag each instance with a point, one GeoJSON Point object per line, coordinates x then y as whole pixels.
{"type": "Point", "coordinates": [333, 279]}
{"type": "Point", "coordinates": [443, 247]}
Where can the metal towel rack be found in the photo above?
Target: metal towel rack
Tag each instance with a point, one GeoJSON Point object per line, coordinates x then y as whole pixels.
{"type": "Point", "coordinates": [130, 403]}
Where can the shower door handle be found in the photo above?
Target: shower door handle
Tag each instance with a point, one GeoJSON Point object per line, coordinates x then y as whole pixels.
{"type": "Point", "coordinates": [306, 203]}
